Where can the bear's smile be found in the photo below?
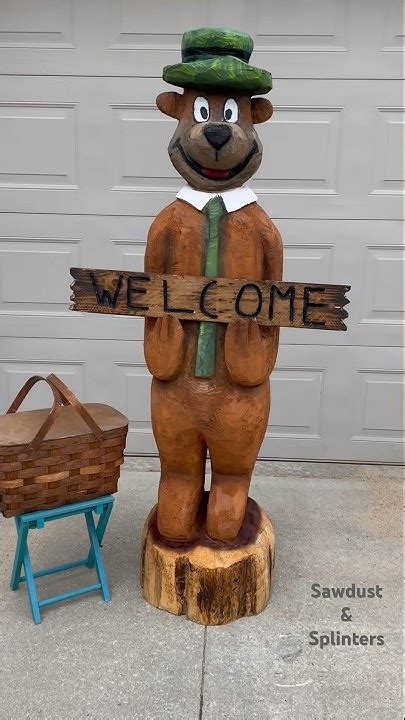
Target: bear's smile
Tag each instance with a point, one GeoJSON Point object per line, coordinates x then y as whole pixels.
{"type": "Point", "coordinates": [216, 174]}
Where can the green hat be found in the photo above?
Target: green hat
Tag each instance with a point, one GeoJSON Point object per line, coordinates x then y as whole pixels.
{"type": "Point", "coordinates": [218, 59]}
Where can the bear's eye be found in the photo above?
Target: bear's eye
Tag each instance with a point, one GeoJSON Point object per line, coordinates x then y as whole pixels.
{"type": "Point", "coordinates": [231, 111]}
{"type": "Point", "coordinates": [201, 109]}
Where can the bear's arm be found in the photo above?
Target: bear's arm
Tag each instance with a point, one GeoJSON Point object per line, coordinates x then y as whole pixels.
{"type": "Point", "coordinates": [273, 252]}
{"type": "Point", "coordinates": [158, 242]}
{"type": "Point", "coordinates": [163, 337]}
{"type": "Point", "coordinates": [273, 271]}
{"type": "Point", "coordinates": [251, 349]}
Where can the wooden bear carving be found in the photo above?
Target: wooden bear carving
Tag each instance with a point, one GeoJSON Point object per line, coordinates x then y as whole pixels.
{"type": "Point", "coordinates": [210, 388]}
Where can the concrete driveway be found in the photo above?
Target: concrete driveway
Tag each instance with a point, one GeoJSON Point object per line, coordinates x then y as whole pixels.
{"type": "Point", "coordinates": [335, 525]}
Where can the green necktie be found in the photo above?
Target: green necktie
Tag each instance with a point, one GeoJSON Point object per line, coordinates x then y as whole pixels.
{"type": "Point", "coordinates": [207, 331]}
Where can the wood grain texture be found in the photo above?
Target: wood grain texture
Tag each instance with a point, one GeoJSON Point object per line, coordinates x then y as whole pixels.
{"type": "Point", "coordinates": [209, 582]}
{"type": "Point", "coordinates": [220, 300]}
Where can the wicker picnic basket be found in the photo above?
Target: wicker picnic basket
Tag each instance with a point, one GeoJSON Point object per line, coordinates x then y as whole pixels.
{"type": "Point", "coordinates": [69, 453]}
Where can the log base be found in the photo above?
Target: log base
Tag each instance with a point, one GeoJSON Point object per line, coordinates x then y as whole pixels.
{"type": "Point", "coordinates": [210, 582]}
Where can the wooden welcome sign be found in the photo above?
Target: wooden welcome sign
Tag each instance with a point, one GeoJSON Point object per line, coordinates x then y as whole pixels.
{"type": "Point", "coordinates": [282, 304]}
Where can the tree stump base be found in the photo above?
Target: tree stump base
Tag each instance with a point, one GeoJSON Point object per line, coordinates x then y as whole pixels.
{"type": "Point", "coordinates": [212, 583]}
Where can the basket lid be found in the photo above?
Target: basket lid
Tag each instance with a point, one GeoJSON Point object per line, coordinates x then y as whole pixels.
{"type": "Point", "coordinates": [21, 427]}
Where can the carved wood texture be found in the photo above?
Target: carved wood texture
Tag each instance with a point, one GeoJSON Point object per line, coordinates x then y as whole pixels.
{"type": "Point", "coordinates": [210, 583]}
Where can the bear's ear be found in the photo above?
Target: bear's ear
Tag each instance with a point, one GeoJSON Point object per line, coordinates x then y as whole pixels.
{"type": "Point", "coordinates": [262, 110]}
{"type": "Point", "coordinates": [170, 103]}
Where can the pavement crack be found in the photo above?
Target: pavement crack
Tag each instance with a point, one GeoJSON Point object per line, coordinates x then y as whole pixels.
{"type": "Point", "coordinates": [200, 714]}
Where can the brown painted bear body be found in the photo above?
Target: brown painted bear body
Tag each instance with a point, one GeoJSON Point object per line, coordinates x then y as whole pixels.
{"type": "Point", "coordinates": [227, 413]}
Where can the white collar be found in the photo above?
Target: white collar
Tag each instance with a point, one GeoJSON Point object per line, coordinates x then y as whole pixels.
{"type": "Point", "coordinates": [233, 199]}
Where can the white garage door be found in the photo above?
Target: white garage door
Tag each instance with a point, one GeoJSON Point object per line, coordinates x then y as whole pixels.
{"type": "Point", "coordinates": [84, 168]}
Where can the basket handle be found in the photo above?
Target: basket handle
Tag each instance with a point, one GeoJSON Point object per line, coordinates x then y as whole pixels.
{"type": "Point", "coordinates": [61, 396]}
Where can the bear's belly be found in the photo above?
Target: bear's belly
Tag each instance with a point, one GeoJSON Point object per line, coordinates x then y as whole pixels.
{"type": "Point", "coordinates": [211, 403]}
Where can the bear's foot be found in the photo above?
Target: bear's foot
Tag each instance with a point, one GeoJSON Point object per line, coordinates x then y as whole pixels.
{"type": "Point", "coordinates": [210, 582]}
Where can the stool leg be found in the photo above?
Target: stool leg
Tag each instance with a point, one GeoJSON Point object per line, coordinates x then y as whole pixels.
{"type": "Point", "coordinates": [100, 530]}
{"type": "Point", "coordinates": [22, 532]}
{"type": "Point", "coordinates": [98, 558]}
{"type": "Point", "coordinates": [32, 591]}
{"type": "Point", "coordinates": [22, 557]}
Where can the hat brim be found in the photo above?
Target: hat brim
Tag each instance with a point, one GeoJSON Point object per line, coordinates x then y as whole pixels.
{"type": "Point", "coordinates": [219, 73]}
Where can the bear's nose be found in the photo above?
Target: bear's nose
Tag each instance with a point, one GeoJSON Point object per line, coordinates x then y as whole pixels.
{"type": "Point", "coordinates": [217, 135]}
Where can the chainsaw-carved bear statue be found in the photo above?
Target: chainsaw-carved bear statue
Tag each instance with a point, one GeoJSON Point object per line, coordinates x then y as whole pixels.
{"type": "Point", "coordinates": [210, 386]}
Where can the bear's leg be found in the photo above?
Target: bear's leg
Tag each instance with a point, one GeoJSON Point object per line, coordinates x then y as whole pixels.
{"type": "Point", "coordinates": [182, 452]}
{"type": "Point", "coordinates": [227, 504]}
{"type": "Point", "coordinates": [234, 442]}
{"type": "Point", "coordinates": [180, 492]}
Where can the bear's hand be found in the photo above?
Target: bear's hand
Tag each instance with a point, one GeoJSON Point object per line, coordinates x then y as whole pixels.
{"type": "Point", "coordinates": [164, 347]}
{"type": "Point", "coordinates": [246, 353]}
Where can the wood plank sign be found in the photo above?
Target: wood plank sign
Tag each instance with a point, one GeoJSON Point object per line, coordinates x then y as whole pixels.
{"type": "Point", "coordinates": [218, 300]}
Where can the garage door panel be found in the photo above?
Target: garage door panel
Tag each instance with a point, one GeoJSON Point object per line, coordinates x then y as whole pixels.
{"type": "Point", "coordinates": [39, 25]}
{"type": "Point", "coordinates": [382, 285]}
{"type": "Point", "coordinates": [388, 162]}
{"type": "Point", "coordinates": [27, 285]}
{"type": "Point", "coordinates": [88, 363]}
{"type": "Point", "coordinates": [330, 152]}
{"type": "Point", "coordinates": [137, 24]}
{"type": "Point", "coordinates": [374, 414]}
{"type": "Point", "coordinates": [297, 396]}
{"type": "Point", "coordinates": [133, 388]}
{"type": "Point", "coordinates": [140, 133]}
{"type": "Point", "coordinates": [336, 402]}
{"type": "Point", "coordinates": [98, 371]}
{"type": "Point", "coordinates": [14, 372]}
{"type": "Point", "coordinates": [323, 38]}
{"type": "Point", "coordinates": [380, 407]}
{"type": "Point", "coordinates": [25, 130]}
{"type": "Point", "coordinates": [312, 135]}
{"type": "Point", "coordinates": [368, 256]}
{"type": "Point", "coordinates": [36, 254]}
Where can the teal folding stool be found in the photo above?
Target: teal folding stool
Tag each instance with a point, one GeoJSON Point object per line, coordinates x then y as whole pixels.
{"type": "Point", "coordinates": [101, 506]}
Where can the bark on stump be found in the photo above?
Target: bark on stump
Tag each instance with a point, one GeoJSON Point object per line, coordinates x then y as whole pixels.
{"type": "Point", "coordinates": [210, 582]}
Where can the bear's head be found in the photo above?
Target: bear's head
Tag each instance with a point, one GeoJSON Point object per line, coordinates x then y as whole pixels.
{"type": "Point", "coordinates": [215, 146]}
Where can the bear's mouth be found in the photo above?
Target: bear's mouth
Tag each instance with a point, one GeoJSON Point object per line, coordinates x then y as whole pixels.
{"type": "Point", "coordinates": [216, 174]}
